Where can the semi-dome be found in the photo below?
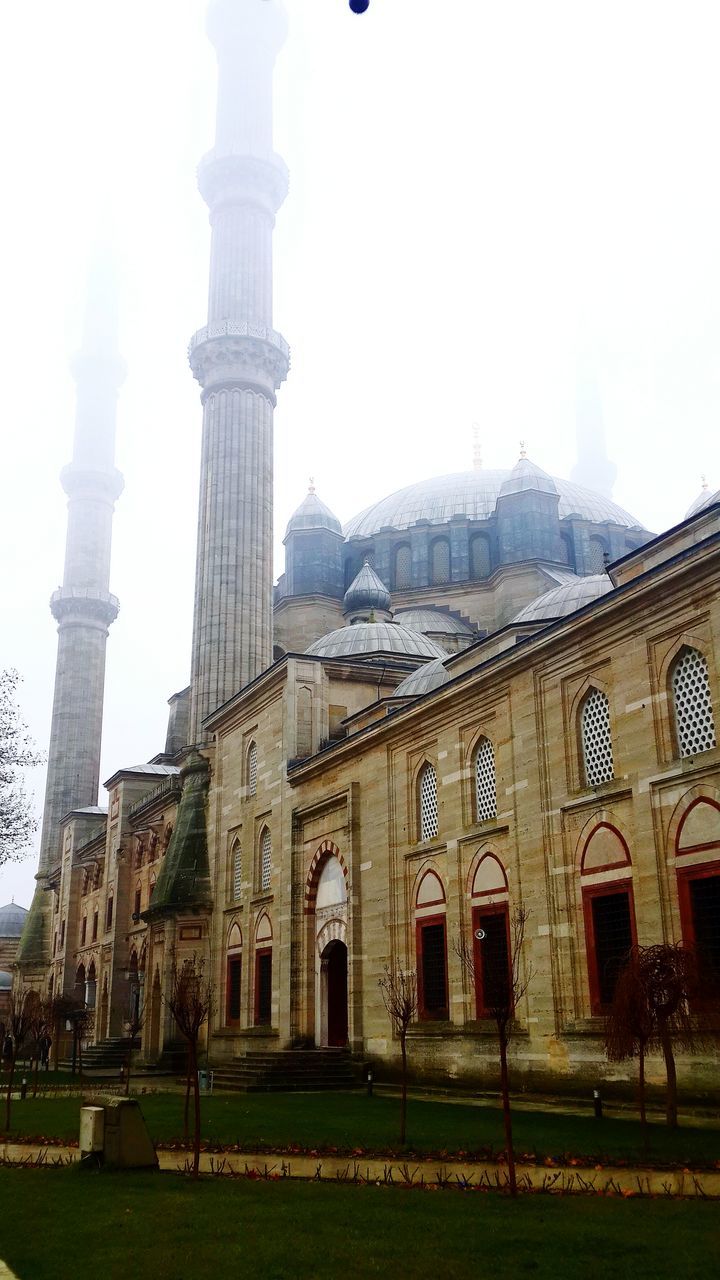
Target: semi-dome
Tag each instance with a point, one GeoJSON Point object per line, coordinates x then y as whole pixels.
{"type": "Point", "coordinates": [431, 676]}
{"type": "Point", "coordinates": [366, 593]}
{"type": "Point", "coordinates": [566, 599]}
{"type": "Point", "coordinates": [474, 494]}
{"type": "Point", "coordinates": [375, 637]}
{"type": "Point", "coordinates": [706, 498]}
{"type": "Point", "coordinates": [434, 621]}
{"type": "Point", "coordinates": [12, 919]}
{"type": "Point", "coordinates": [313, 514]}
{"type": "Point", "coordinates": [526, 475]}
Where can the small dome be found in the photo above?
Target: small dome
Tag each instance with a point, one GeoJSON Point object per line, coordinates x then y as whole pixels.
{"type": "Point", "coordinates": [313, 514]}
{"type": "Point", "coordinates": [375, 637]}
{"type": "Point", "coordinates": [525, 476]}
{"type": "Point", "coordinates": [433, 621]}
{"type": "Point", "coordinates": [12, 919]}
{"type": "Point", "coordinates": [566, 599]}
{"type": "Point", "coordinates": [431, 676]}
{"type": "Point", "coordinates": [706, 498]}
{"type": "Point", "coordinates": [366, 592]}
{"type": "Point", "coordinates": [5, 981]}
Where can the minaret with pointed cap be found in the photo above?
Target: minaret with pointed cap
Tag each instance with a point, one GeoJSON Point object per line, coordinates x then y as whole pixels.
{"type": "Point", "coordinates": [239, 361]}
{"type": "Point", "coordinates": [593, 468]}
{"type": "Point", "coordinates": [83, 606]}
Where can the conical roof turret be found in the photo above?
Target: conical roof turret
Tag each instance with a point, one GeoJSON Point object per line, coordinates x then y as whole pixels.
{"type": "Point", "coordinates": [366, 595]}
{"type": "Point", "coordinates": [527, 475]}
{"type": "Point", "coordinates": [313, 514]}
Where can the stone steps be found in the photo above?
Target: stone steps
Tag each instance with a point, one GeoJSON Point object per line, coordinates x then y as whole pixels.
{"type": "Point", "coordinates": [287, 1071]}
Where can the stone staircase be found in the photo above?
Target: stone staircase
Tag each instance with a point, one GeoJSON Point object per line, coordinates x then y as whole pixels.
{"type": "Point", "coordinates": [107, 1055]}
{"type": "Point", "coordinates": [287, 1071]}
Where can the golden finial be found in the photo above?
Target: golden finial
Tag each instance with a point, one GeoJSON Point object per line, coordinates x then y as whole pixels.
{"type": "Point", "coordinates": [477, 452]}
{"type": "Point", "coordinates": [523, 448]}
{"type": "Point", "coordinates": [311, 485]}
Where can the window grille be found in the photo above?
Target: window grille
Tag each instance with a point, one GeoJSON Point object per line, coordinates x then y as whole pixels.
{"type": "Point", "coordinates": [440, 565]}
{"type": "Point", "coordinates": [597, 556]}
{"type": "Point", "coordinates": [428, 803]}
{"type": "Point", "coordinates": [265, 859]}
{"type": "Point", "coordinates": [596, 741]}
{"type": "Point", "coordinates": [236, 871]}
{"type": "Point", "coordinates": [485, 796]}
{"type": "Point", "coordinates": [403, 568]}
{"type": "Point", "coordinates": [252, 770]}
{"type": "Point", "coordinates": [693, 705]}
{"type": "Point", "coordinates": [479, 557]}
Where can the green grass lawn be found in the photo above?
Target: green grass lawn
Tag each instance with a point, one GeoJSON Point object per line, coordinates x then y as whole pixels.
{"type": "Point", "coordinates": [346, 1121]}
{"type": "Point", "coordinates": [71, 1223]}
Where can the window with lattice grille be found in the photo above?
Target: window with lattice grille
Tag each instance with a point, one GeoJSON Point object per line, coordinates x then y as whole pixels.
{"type": "Point", "coordinates": [428, 803]}
{"type": "Point", "coordinates": [596, 556]}
{"type": "Point", "coordinates": [236, 871]}
{"type": "Point", "coordinates": [479, 557]}
{"type": "Point", "coordinates": [265, 859]}
{"type": "Point", "coordinates": [694, 721]}
{"type": "Point", "coordinates": [596, 740]}
{"type": "Point", "coordinates": [403, 568]}
{"type": "Point", "coordinates": [252, 766]}
{"type": "Point", "coordinates": [485, 795]}
{"type": "Point", "coordinates": [440, 562]}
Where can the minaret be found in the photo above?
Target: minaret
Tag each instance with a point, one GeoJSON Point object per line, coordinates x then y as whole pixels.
{"type": "Point", "coordinates": [593, 468]}
{"type": "Point", "coordinates": [239, 361]}
{"type": "Point", "coordinates": [83, 606]}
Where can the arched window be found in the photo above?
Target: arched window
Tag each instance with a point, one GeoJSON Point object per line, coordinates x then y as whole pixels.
{"type": "Point", "coordinates": [151, 886]}
{"type": "Point", "coordinates": [428, 802]}
{"type": "Point", "coordinates": [479, 557]}
{"type": "Point", "coordinates": [694, 722]}
{"type": "Point", "coordinates": [263, 972]}
{"type": "Point", "coordinates": [137, 902]}
{"type": "Point", "coordinates": [233, 986]}
{"type": "Point", "coordinates": [608, 909]}
{"type": "Point", "coordinates": [252, 766]}
{"type": "Point", "coordinates": [109, 913]}
{"type": "Point", "coordinates": [567, 550]}
{"type": "Point", "coordinates": [91, 987]}
{"type": "Point", "coordinates": [402, 577]}
{"type": "Point", "coordinates": [597, 752]}
{"type": "Point", "coordinates": [80, 984]}
{"type": "Point", "coordinates": [597, 555]}
{"type": "Point", "coordinates": [697, 850]}
{"type": "Point", "coordinates": [236, 861]}
{"type": "Point", "coordinates": [440, 562]}
{"type": "Point", "coordinates": [485, 791]}
{"type": "Point", "coordinates": [431, 948]}
{"type": "Point", "coordinates": [95, 925]}
{"type": "Point", "coordinates": [265, 859]}
{"type": "Point", "coordinates": [83, 931]}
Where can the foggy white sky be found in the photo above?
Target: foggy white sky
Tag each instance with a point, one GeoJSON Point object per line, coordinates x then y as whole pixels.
{"type": "Point", "coordinates": [479, 190]}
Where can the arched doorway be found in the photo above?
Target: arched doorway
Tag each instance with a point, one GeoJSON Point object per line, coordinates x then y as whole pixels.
{"type": "Point", "coordinates": [334, 994]}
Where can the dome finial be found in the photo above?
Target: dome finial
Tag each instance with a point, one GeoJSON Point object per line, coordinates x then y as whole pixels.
{"type": "Point", "coordinates": [523, 448]}
{"type": "Point", "coordinates": [477, 452]}
{"type": "Point", "coordinates": [311, 484]}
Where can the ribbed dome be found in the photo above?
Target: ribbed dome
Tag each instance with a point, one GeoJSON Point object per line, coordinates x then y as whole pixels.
{"type": "Point", "coordinates": [706, 498]}
{"type": "Point", "coordinates": [313, 514]}
{"type": "Point", "coordinates": [375, 637]}
{"type": "Point", "coordinates": [434, 621]}
{"type": "Point", "coordinates": [366, 592]}
{"type": "Point", "coordinates": [12, 919]}
{"type": "Point", "coordinates": [525, 476]}
{"type": "Point", "coordinates": [474, 494]}
{"type": "Point", "coordinates": [567, 599]}
{"type": "Point", "coordinates": [431, 676]}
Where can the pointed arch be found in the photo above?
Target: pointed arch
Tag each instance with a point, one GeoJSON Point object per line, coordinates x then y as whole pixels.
{"type": "Point", "coordinates": [604, 848]}
{"type": "Point", "coordinates": [439, 562]}
{"type": "Point", "coordinates": [485, 788]}
{"type": "Point", "coordinates": [234, 937]}
{"type": "Point", "coordinates": [236, 869]}
{"type": "Point", "coordinates": [265, 859]}
{"type": "Point", "coordinates": [488, 877]}
{"type": "Point", "coordinates": [427, 801]}
{"type": "Point", "coordinates": [430, 890]}
{"type": "Point", "coordinates": [691, 700]}
{"type": "Point", "coordinates": [688, 830]}
{"type": "Point", "coordinates": [595, 738]}
{"type": "Point", "coordinates": [327, 849]}
{"type": "Point", "coordinates": [251, 768]}
{"type": "Point", "coordinates": [402, 567]}
{"type": "Point", "coordinates": [263, 929]}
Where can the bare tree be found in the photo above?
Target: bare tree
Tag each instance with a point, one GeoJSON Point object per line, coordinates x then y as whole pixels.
{"type": "Point", "coordinates": [504, 981]}
{"type": "Point", "coordinates": [17, 752]}
{"type": "Point", "coordinates": [191, 1002]}
{"type": "Point", "coordinates": [628, 1026]}
{"type": "Point", "coordinates": [17, 1028]}
{"type": "Point", "coordinates": [39, 1024]}
{"type": "Point", "coordinates": [134, 1024]}
{"type": "Point", "coordinates": [400, 997]}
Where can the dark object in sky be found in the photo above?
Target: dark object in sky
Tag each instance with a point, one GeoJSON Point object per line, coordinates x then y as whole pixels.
{"type": "Point", "coordinates": [359, 6]}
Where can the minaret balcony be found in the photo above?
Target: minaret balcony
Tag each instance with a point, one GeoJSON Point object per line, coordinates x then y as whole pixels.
{"type": "Point", "coordinates": [229, 178]}
{"type": "Point", "coordinates": [239, 353]}
{"type": "Point", "coordinates": [83, 606]}
{"type": "Point", "coordinates": [98, 484]}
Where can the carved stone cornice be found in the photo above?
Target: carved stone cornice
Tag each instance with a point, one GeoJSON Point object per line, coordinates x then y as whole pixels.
{"type": "Point", "coordinates": [76, 606]}
{"type": "Point", "coordinates": [81, 482]}
{"type": "Point", "coordinates": [240, 179]}
{"type": "Point", "coordinates": [236, 353]}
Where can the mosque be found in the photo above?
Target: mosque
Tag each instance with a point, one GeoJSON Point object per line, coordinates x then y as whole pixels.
{"type": "Point", "coordinates": [489, 690]}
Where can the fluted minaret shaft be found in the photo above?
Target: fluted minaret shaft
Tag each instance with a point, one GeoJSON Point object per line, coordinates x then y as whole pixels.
{"type": "Point", "coordinates": [83, 605]}
{"type": "Point", "coordinates": [239, 362]}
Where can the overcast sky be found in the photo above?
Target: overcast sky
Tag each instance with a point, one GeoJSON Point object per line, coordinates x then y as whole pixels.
{"type": "Point", "coordinates": [481, 194]}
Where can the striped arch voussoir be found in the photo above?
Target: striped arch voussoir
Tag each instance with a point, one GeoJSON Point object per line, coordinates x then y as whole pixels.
{"type": "Point", "coordinates": [324, 851]}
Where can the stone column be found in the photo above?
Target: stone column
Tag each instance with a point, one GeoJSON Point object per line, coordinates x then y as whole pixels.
{"type": "Point", "coordinates": [239, 361]}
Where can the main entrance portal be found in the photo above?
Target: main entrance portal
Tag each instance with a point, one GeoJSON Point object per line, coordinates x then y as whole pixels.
{"type": "Point", "coordinates": [334, 992]}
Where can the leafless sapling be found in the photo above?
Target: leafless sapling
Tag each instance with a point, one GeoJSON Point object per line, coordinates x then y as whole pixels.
{"type": "Point", "coordinates": [17, 1029]}
{"type": "Point", "coordinates": [503, 978]}
{"type": "Point", "coordinates": [398, 988]}
{"type": "Point", "coordinates": [191, 1002]}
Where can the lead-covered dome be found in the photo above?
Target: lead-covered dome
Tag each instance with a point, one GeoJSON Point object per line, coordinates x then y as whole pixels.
{"type": "Point", "coordinates": [12, 919]}
{"type": "Point", "coordinates": [566, 599]}
{"type": "Point", "coordinates": [434, 622]}
{"type": "Point", "coordinates": [431, 676]}
{"type": "Point", "coordinates": [706, 498]}
{"type": "Point", "coordinates": [527, 475]}
{"type": "Point", "coordinates": [474, 494]}
{"type": "Point", "coordinates": [375, 637]}
{"type": "Point", "coordinates": [313, 514]}
{"type": "Point", "coordinates": [367, 593]}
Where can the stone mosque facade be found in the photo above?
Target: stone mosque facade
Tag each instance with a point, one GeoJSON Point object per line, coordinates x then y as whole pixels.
{"type": "Point", "coordinates": [491, 689]}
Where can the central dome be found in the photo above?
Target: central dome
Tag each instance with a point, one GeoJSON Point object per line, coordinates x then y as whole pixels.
{"type": "Point", "coordinates": [474, 494]}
